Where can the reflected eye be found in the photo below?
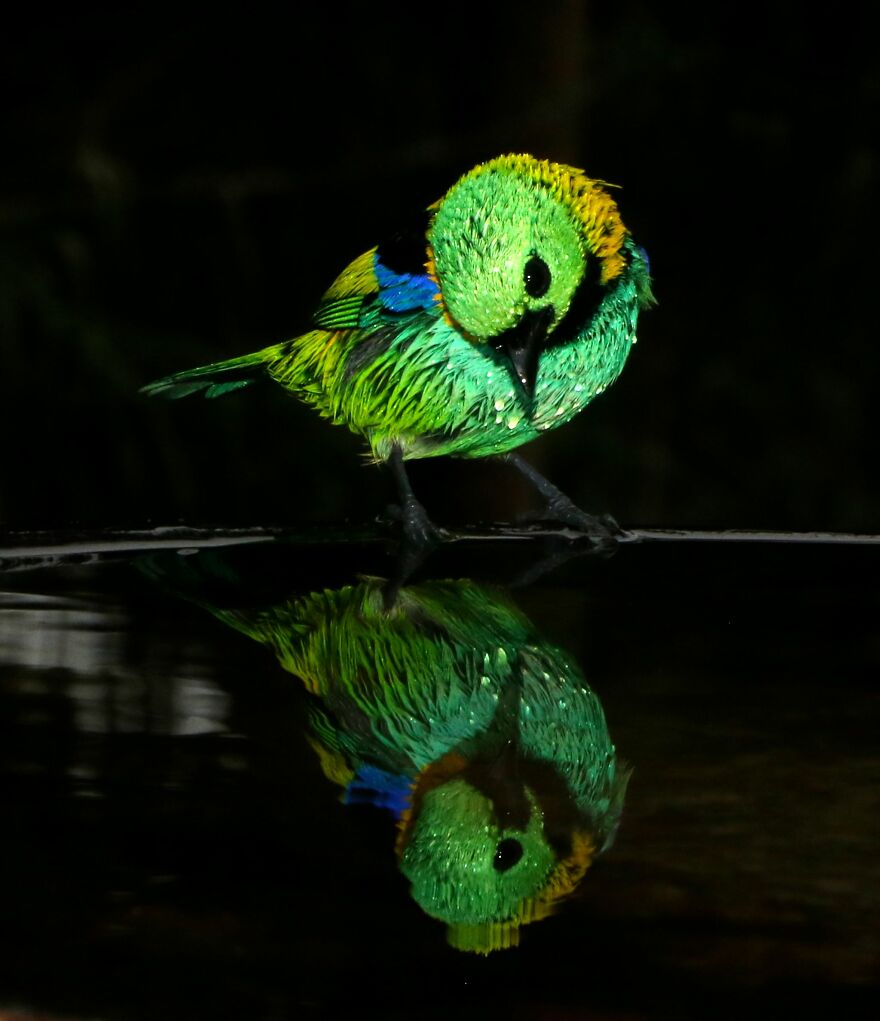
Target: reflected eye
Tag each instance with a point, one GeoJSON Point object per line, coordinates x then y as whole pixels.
{"type": "Point", "coordinates": [537, 277]}
{"type": "Point", "coordinates": [507, 854]}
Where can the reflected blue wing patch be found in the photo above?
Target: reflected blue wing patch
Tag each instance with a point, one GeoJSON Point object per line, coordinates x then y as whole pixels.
{"type": "Point", "coordinates": [373, 786]}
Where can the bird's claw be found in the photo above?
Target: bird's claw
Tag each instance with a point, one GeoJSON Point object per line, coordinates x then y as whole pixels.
{"type": "Point", "coordinates": [602, 530]}
{"type": "Point", "coordinates": [419, 531]}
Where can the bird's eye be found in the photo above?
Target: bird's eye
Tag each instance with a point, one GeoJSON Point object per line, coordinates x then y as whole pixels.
{"type": "Point", "coordinates": [507, 854]}
{"type": "Point", "coordinates": [537, 277]}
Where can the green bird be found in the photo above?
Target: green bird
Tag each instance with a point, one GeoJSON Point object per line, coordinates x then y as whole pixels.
{"type": "Point", "coordinates": [502, 313]}
{"type": "Point", "coordinates": [483, 739]}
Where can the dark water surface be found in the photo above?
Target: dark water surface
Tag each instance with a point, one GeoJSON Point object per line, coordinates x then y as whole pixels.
{"type": "Point", "coordinates": [171, 848]}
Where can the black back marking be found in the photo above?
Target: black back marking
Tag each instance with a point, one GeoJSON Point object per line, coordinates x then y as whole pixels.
{"type": "Point", "coordinates": [405, 251]}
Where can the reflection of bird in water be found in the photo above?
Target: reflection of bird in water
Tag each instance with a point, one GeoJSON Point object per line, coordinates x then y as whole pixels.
{"type": "Point", "coordinates": [500, 314]}
{"type": "Point", "coordinates": [484, 740]}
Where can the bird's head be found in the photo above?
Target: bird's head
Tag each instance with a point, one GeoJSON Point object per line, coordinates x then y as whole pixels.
{"type": "Point", "coordinates": [511, 243]}
{"type": "Point", "coordinates": [479, 853]}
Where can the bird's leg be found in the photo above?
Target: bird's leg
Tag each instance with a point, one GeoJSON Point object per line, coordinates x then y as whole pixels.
{"type": "Point", "coordinates": [418, 529]}
{"type": "Point", "coordinates": [420, 534]}
{"type": "Point", "coordinates": [603, 530]}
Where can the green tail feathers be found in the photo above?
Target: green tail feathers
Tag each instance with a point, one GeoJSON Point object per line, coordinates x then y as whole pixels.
{"type": "Point", "coordinates": [210, 380]}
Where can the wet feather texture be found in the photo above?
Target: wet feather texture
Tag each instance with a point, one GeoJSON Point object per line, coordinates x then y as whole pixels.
{"type": "Point", "coordinates": [500, 316]}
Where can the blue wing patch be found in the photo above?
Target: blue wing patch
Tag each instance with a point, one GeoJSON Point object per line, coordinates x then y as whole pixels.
{"type": "Point", "coordinates": [405, 292]}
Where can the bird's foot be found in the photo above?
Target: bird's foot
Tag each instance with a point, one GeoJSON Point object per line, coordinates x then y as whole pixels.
{"type": "Point", "coordinates": [602, 530]}
{"type": "Point", "coordinates": [419, 531]}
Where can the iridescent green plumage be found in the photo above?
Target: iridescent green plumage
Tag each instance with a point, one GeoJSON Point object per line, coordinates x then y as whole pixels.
{"type": "Point", "coordinates": [456, 347]}
{"type": "Point", "coordinates": [489, 734]}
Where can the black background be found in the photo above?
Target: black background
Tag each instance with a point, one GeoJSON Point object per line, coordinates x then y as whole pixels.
{"type": "Point", "coordinates": [177, 189]}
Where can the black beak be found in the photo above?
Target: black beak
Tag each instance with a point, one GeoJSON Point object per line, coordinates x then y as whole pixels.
{"type": "Point", "coordinates": [523, 344]}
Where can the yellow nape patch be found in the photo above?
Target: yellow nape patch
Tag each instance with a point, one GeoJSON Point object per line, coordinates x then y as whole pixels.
{"type": "Point", "coordinates": [587, 199]}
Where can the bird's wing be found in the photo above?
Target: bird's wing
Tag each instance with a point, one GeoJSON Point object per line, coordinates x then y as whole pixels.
{"type": "Point", "coordinates": [355, 287]}
{"type": "Point", "coordinates": [392, 277]}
